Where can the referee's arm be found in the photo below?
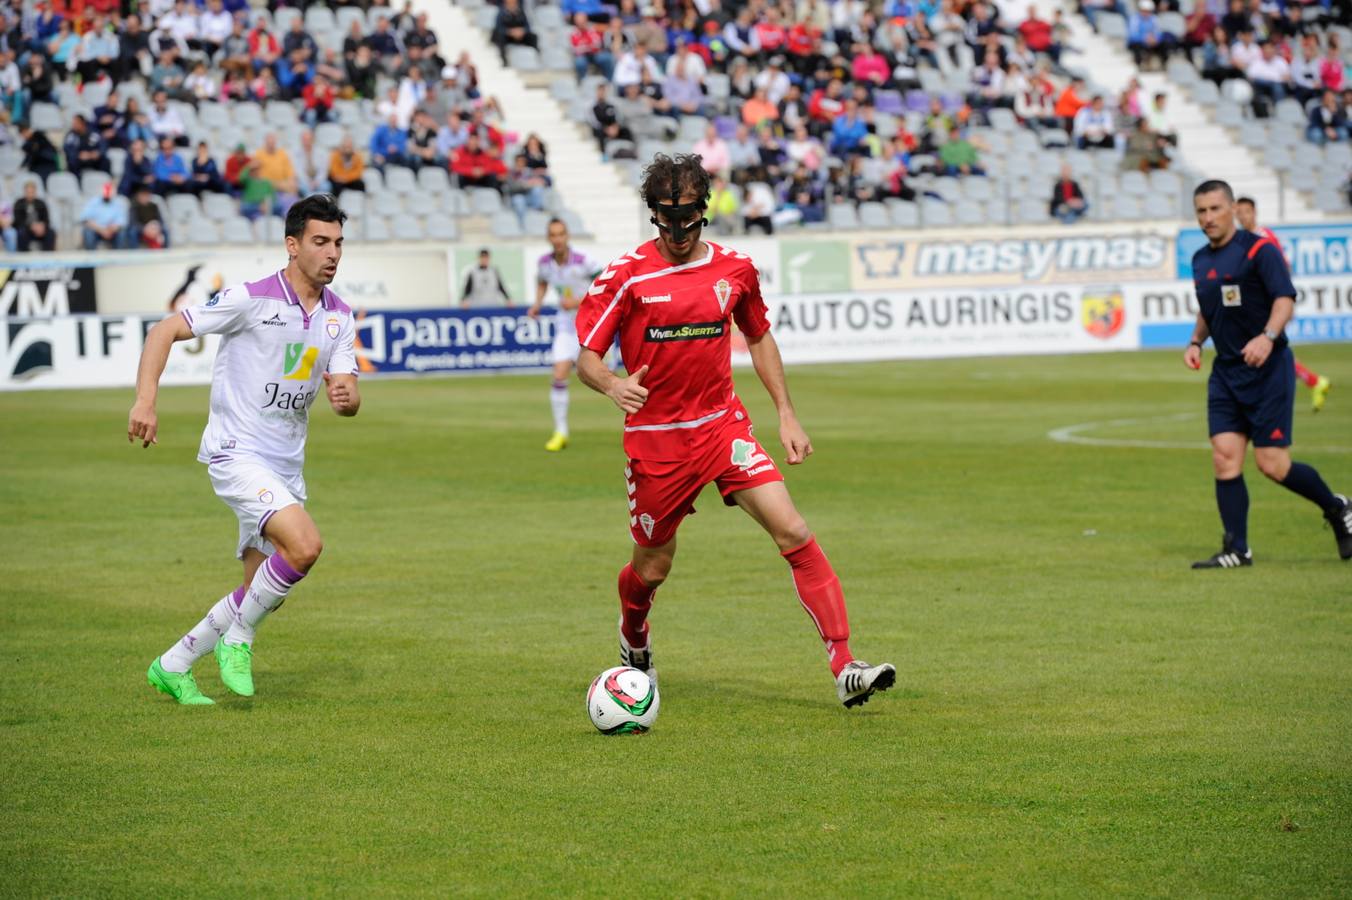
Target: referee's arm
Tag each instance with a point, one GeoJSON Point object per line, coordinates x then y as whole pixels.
{"type": "Point", "coordinates": [1256, 351]}
{"type": "Point", "coordinates": [1192, 356]}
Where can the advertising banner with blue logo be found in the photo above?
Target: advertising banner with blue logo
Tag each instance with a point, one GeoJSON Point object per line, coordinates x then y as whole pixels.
{"type": "Point", "coordinates": [454, 340]}
{"type": "Point", "coordinates": [1168, 310]}
{"type": "Point", "coordinates": [1312, 251]}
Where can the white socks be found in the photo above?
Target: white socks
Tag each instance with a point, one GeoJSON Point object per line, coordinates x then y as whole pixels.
{"type": "Point", "coordinates": [558, 401]}
{"type": "Point", "coordinates": [273, 581]}
{"type": "Point", "coordinates": [198, 643]}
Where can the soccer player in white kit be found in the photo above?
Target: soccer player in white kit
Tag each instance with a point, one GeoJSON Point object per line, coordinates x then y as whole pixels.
{"type": "Point", "coordinates": [282, 339]}
{"type": "Point", "coordinates": [570, 274]}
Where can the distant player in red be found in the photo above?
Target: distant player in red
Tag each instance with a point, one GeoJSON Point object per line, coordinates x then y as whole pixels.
{"type": "Point", "coordinates": [1246, 211]}
{"type": "Point", "coordinates": [672, 302]}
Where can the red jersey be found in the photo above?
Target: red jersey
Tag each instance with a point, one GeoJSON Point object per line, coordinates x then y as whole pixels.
{"type": "Point", "coordinates": [677, 321]}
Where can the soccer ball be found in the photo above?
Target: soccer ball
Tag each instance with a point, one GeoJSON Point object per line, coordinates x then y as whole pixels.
{"type": "Point", "coordinates": [622, 700]}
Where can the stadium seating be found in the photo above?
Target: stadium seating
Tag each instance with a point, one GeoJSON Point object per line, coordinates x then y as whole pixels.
{"type": "Point", "coordinates": [1009, 147]}
{"type": "Point", "coordinates": [1267, 105]}
{"type": "Point", "coordinates": [405, 203]}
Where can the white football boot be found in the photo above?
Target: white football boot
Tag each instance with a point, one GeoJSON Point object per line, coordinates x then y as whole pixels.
{"type": "Point", "coordinates": [858, 681]}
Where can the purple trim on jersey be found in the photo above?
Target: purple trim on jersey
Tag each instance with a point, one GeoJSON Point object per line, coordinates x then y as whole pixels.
{"type": "Point", "coordinates": [219, 458]}
{"type": "Point", "coordinates": [280, 569]}
{"type": "Point", "coordinates": [273, 287]}
{"type": "Point", "coordinates": [188, 316]}
{"type": "Point", "coordinates": [334, 303]}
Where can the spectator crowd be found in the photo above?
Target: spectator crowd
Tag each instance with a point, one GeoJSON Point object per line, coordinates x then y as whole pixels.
{"type": "Point", "coordinates": [810, 104]}
{"type": "Point", "coordinates": [149, 97]}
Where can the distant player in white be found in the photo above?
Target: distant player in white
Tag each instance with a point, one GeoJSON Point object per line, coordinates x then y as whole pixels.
{"type": "Point", "coordinates": [570, 274]}
{"type": "Point", "coordinates": [282, 339]}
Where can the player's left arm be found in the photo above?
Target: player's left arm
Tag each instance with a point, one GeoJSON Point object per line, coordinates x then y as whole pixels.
{"type": "Point", "coordinates": [769, 367]}
{"type": "Point", "coordinates": [753, 318]}
{"type": "Point", "coordinates": [340, 381]}
{"type": "Point", "coordinates": [1276, 278]}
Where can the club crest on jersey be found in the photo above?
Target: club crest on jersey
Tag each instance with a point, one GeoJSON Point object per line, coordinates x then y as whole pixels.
{"type": "Point", "coordinates": [646, 522]}
{"type": "Point", "coordinates": [298, 362]}
{"type": "Point", "coordinates": [723, 291]}
{"type": "Point", "coordinates": [1230, 294]}
{"type": "Point", "coordinates": [331, 327]}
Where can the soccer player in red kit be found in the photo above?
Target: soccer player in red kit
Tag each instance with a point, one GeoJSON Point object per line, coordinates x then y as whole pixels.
{"type": "Point", "coordinates": [1246, 211]}
{"type": "Point", "coordinates": [672, 302]}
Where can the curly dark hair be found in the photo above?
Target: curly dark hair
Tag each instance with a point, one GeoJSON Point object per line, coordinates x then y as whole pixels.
{"type": "Point", "coordinates": [684, 172]}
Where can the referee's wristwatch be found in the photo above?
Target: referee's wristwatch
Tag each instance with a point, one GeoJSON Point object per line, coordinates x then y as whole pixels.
{"type": "Point", "coordinates": [1271, 335]}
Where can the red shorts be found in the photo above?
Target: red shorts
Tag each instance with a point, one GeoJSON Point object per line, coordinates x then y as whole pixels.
{"type": "Point", "coordinates": [662, 493]}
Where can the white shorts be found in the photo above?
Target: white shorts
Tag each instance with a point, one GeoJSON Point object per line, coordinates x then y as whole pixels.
{"type": "Point", "coordinates": [566, 345]}
{"type": "Point", "coordinates": [254, 491]}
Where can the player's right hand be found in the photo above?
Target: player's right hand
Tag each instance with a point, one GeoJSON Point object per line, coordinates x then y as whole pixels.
{"type": "Point", "coordinates": [1192, 357]}
{"type": "Point", "coordinates": [142, 423]}
{"type": "Point", "coordinates": [628, 393]}
{"type": "Point", "coordinates": [533, 312]}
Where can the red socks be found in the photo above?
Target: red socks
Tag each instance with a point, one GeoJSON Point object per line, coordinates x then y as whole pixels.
{"type": "Point", "coordinates": [636, 599]}
{"type": "Point", "coordinates": [1306, 375]}
{"type": "Point", "coordinates": [820, 593]}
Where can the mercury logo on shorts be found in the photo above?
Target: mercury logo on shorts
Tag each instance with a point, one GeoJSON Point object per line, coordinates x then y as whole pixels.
{"type": "Point", "coordinates": [695, 331]}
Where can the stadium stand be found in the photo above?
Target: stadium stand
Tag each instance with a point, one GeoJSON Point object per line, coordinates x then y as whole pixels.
{"type": "Point", "coordinates": [1277, 76]}
{"type": "Point", "coordinates": [930, 113]}
{"type": "Point", "coordinates": [209, 119]}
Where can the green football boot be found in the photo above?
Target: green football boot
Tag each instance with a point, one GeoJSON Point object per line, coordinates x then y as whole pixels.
{"type": "Point", "coordinates": [182, 687]}
{"type": "Point", "coordinates": [236, 662]}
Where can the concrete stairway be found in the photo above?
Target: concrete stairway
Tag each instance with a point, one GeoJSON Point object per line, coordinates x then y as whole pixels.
{"type": "Point", "coordinates": [1204, 146]}
{"type": "Point", "coordinates": [595, 191]}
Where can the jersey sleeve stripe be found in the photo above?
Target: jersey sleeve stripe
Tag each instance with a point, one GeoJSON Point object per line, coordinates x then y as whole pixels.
{"type": "Point", "coordinates": [637, 278]}
{"type": "Point", "coordinates": [188, 317]}
{"type": "Point", "coordinates": [605, 315]}
{"type": "Point", "coordinates": [1265, 242]}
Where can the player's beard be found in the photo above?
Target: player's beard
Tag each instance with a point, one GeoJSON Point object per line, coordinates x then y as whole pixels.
{"type": "Point", "coordinates": [320, 275]}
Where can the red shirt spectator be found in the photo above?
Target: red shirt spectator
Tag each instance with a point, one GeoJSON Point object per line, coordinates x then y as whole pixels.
{"type": "Point", "coordinates": [826, 104]}
{"type": "Point", "coordinates": [471, 161]}
{"type": "Point", "coordinates": [772, 35]}
{"type": "Point", "coordinates": [263, 45]}
{"type": "Point", "coordinates": [1331, 70]}
{"type": "Point", "coordinates": [1037, 33]}
{"type": "Point", "coordinates": [802, 39]}
{"type": "Point", "coordinates": [587, 40]}
{"type": "Point", "coordinates": [319, 94]}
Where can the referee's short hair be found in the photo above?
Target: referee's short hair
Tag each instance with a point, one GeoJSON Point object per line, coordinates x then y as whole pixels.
{"type": "Point", "coordinates": [1215, 184]}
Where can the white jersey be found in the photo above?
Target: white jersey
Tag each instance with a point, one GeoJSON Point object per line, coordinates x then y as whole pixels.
{"type": "Point", "coordinates": [571, 279]}
{"type": "Point", "coordinates": [269, 368]}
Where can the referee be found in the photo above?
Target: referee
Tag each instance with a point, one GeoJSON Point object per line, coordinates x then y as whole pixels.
{"type": "Point", "coordinates": [1245, 298]}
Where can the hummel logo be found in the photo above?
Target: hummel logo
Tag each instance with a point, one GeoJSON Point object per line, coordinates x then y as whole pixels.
{"type": "Point", "coordinates": [658, 298]}
{"type": "Point", "coordinates": [275, 320]}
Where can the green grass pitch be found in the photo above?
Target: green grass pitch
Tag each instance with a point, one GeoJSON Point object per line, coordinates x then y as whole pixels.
{"type": "Point", "coordinates": [1077, 712]}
